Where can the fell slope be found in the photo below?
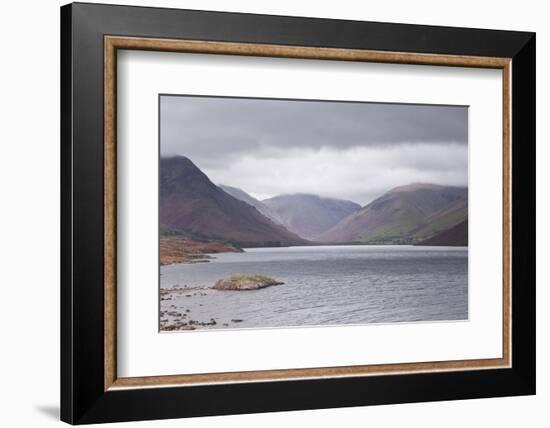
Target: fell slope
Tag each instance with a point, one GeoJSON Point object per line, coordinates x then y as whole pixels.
{"type": "Point", "coordinates": [456, 236]}
{"type": "Point", "coordinates": [245, 197]}
{"type": "Point", "coordinates": [404, 215]}
{"type": "Point", "coordinates": [191, 205]}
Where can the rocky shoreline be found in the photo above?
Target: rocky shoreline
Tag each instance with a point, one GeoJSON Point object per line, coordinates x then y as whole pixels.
{"type": "Point", "coordinates": [174, 316]}
{"type": "Point", "coordinates": [182, 250]}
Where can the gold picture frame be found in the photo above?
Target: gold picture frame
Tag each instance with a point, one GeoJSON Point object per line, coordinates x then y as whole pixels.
{"type": "Point", "coordinates": [114, 43]}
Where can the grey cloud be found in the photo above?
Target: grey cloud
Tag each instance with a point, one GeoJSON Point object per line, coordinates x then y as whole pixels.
{"type": "Point", "coordinates": [400, 142]}
{"type": "Point", "coordinates": [211, 124]}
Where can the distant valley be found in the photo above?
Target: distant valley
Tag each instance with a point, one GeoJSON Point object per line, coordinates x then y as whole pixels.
{"type": "Point", "coordinates": [193, 207]}
{"type": "Point", "coordinates": [309, 215]}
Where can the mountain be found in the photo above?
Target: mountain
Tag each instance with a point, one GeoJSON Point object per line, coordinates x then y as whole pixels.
{"type": "Point", "coordinates": [245, 197]}
{"type": "Point", "coordinates": [455, 236]}
{"type": "Point", "coordinates": [191, 205]}
{"type": "Point", "coordinates": [406, 214]}
{"type": "Point", "coordinates": [309, 215]}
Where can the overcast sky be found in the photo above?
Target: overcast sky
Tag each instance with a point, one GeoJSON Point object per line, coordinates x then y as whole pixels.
{"type": "Point", "coordinates": [353, 151]}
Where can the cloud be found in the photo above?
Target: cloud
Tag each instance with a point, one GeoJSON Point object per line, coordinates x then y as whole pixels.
{"type": "Point", "coordinates": [359, 174]}
{"type": "Point", "coordinates": [339, 149]}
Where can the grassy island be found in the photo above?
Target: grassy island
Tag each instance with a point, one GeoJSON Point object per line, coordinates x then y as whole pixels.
{"type": "Point", "coordinates": [245, 282]}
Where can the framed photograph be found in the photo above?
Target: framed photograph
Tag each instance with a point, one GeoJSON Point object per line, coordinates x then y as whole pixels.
{"type": "Point", "coordinates": [265, 213]}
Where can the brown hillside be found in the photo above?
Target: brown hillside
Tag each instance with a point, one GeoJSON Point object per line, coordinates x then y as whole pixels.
{"type": "Point", "coordinates": [191, 204]}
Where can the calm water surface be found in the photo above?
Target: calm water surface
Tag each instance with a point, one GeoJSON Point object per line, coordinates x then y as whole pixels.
{"type": "Point", "coordinates": [325, 285]}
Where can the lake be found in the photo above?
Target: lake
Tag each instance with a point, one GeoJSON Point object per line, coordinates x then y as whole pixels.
{"type": "Point", "coordinates": [323, 285]}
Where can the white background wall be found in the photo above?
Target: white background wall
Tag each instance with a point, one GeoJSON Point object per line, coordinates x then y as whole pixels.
{"type": "Point", "coordinates": [29, 214]}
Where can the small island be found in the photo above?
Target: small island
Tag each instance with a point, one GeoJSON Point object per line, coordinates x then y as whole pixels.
{"type": "Point", "coordinates": [245, 282]}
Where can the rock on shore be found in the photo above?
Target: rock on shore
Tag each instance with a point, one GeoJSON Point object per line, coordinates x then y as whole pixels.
{"type": "Point", "coordinates": [245, 282]}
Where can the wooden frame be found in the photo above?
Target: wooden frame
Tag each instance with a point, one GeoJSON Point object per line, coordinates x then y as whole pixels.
{"type": "Point", "coordinates": [513, 53]}
{"type": "Point", "coordinates": [112, 43]}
